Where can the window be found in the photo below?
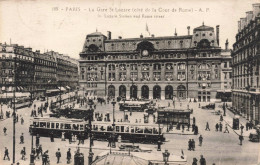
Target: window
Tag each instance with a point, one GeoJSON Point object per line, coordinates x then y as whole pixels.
{"type": "Point", "coordinates": [225, 64]}
{"type": "Point", "coordinates": [157, 66]}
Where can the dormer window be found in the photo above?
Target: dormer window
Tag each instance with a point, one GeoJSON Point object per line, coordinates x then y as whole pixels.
{"type": "Point", "coordinates": [196, 35]}
{"type": "Point", "coordinates": [94, 40]}
{"type": "Point", "coordinates": [210, 34]}
{"type": "Point", "coordinates": [203, 35]}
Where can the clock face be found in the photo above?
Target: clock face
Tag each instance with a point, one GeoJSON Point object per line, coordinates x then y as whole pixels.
{"type": "Point", "coordinates": [145, 53]}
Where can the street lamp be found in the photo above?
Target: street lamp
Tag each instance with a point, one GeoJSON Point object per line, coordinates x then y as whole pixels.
{"type": "Point", "coordinates": [113, 141]}
{"type": "Point", "coordinates": [31, 155]}
{"type": "Point", "coordinates": [167, 121]}
{"type": "Point", "coordinates": [90, 156]}
{"type": "Point", "coordinates": [159, 133]}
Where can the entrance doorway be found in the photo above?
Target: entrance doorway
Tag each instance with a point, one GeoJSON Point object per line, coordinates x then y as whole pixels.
{"type": "Point", "coordinates": [168, 92]}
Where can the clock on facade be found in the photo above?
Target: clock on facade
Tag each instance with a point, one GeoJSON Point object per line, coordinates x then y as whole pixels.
{"type": "Point", "coordinates": [145, 53]}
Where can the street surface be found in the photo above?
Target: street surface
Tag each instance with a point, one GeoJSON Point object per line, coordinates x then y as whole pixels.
{"type": "Point", "coordinates": [218, 147]}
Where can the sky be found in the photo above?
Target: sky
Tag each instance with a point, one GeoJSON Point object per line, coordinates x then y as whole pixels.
{"type": "Point", "coordinates": [62, 25]}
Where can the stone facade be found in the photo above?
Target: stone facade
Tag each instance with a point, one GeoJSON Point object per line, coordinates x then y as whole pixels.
{"type": "Point", "coordinates": [246, 62]}
{"type": "Point", "coordinates": [183, 67]}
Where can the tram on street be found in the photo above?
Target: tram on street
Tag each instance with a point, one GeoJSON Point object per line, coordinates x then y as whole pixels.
{"type": "Point", "coordinates": [45, 126]}
{"type": "Point", "coordinates": [22, 102]}
{"type": "Point", "coordinates": [134, 106]}
{"type": "Point", "coordinates": [69, 112]}
{"type": "Point", "coordinates": [128, 132]}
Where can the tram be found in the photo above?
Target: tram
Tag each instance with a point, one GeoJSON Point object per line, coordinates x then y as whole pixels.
{"type": "Point", "coordinates": [102, 131]}
{"type": "Point", "coordinates": [45, 126]}
{"type": "Point", "coordinates": [22, 102]}
{"type": "Point", "coordinates": [129, 132]}
{"type": "Point", "coordinates": [137, 106]}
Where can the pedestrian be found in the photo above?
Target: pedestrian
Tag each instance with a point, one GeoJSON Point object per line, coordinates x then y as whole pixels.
{"type": "Point", "coordinates": [182, 127]}
{"type": "Point", "coordinates": [193, 127]}
{"type": "Point", "coordinates": [226, 129]}
{"type": "Point", "coordinates": [68, 156]}
{"type": "Point", "coordinates": [37, 140]}
{"type": "Point", "coordinates": [52, 137]}
{"type": "Point", "coordinates": [17, 117]}
{"type": "Point", "coordinates": [202, 160]}
{"type": "Point", "coordinates": [220, 127]}
{"type": "Point", "coordinates": [6, 154]}
{"type": "Point", "coordinates": [188, 127]}
{"type": "Point", "coordinates": [193, 144]}
{"type": "Point", "coordinates": [247, 125]}
{"type": "Point", "coordinates": [23, 153]}
{"type": "Point", "coordinates": [189, 144]}
{"type": "Point", "coordinates": [33, 151]}
{"type": "Point", "coordinates": [45, 158]}
{"type": "Point", "coordinates": [199, 105]}
{"type": "Point", "coordinates": [207, 126]}
{"type": "Point", "coordinates": [241, 138]}
{"type": "Point", "coordinates": [37, 152]}
{"type": "Point", "coordinates": [217, 126]}
{"type": "Point", "coordinates": [194, 161]}
{"type": "Point", "coordinates": [5, 129]}
{"type": "Point", "coordinates": [22, 120]}
{"type": "Point", "coordinates": [21, 139]}
{"type": "Point", "coordinates": [40, 149]}
{"type": "Point", "coordinates": [58, 155]}
{"type": "Point", "coordinates": [241, 127]}
{"type": "Point", "coordinates": [221, 118]}
{"type": "Point", "coordinates": [109, 141]}
{"type": "Point", "coordinates": [63, 136]}
{"type": "Point", "coordinates": [200, 140]}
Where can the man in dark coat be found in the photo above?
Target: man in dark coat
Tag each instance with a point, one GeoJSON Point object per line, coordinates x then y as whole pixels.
{"type": "Point", "coordinates": [202, 160]}
{"type": "Point", "coordinates": [68, 156]}
{"type": "Point", "coordinates": [6, 154]}
{"type": "Point", "coordinates": [194, 161]}
{"type": "Point", "coordinates": [58, 155]}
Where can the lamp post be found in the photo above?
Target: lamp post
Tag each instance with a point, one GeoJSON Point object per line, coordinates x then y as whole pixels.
{"type": "Point", "coordinates": [2, 114]}
{"type": "Point", "coordinates": [159, 133]}
{"type": "Point", "coordinates": [31, 155]}
{"type": "Point", "coordinates": [14, 109]}
{"type": "Point", "coordinates": [113, 141]}
{"type": "Point", "coordinates": [167, 121]}
{"type": "Point", "coordinates": [90, 156]}
{"type": "Point", "coordinates": [60, 93]}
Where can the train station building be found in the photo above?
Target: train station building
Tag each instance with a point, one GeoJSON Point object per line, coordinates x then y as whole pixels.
{"type": "Point", "coordinates": [191, 66]}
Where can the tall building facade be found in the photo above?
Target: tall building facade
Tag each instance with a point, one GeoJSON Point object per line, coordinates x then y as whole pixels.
{"type": "Point", "coordinates": [246, 61]}
{"type": "Point", "coordinates": [34, 72]}
{"type": "Point", "coordinates": [184, 67]}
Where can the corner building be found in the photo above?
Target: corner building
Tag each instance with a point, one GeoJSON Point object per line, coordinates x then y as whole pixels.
{"type": "Point", "coordinates": [246, 62]}
{"type": "Point", "coordinates": [183, 67]}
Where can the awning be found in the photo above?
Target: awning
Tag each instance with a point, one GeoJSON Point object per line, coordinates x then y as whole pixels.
{"type": "Point", "coordinates": [21, 88]}
{"type": "Point", "coordinates": [10, 89]}
{"type": "Point", "coordinates": [67, 87]}
{"type": "Point", "coordinates": [3, 88]}
{"type": "Point", "coordinates": [52, 90]}
{"type": "Point", "coordinates": [21, 94]}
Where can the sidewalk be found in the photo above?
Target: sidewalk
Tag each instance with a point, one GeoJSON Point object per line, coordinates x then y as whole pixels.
{"type": "Point", "coordinates": [229, 120]}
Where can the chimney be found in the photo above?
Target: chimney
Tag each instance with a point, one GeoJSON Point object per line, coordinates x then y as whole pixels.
{"type": "Point", "coordinates": [243, 23]}
{"type": "Point", "coordinates": [217, 31]}
{"type": "Point", "coordinates": [239, 26]}
{"type": "Point", "coordinates": [188, 30]}
{"type": "Point", "coordinates": [226, 45]}
{"type": "Point", "coordinates": [109, 35]}
{"type": "Point", "coordinates": [175, 32]}
{"type": "Point", "coordinates": [152, 35]}
{"type": "Point", "coordinates": [249, 16]}
{"type": "Point", "coordinates": [256, 10]}
{"type": "Point", "coordinates": [120, 37]}
{"type": "Point", "coordinates": [141, 36]}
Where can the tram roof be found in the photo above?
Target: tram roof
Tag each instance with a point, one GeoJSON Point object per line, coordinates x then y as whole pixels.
{"type": "Point", "coordinates": [173, 110]}
{"type": "Point", "coordinates": [134, 102]}
{"type": "Point", "coordinates": [124, 123]}
{"type": "Point", "coordinates": [57, 120]}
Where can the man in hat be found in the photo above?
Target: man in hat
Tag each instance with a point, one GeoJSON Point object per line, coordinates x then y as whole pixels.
{"type": "Point", "coordinates": [202, 160]}
{"type": "Point", "coordinates": [68, 156]}
{"type": "Point", "coordinates": [58, 155]}
{"type": "Point", "coordinates": [200, 140]}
